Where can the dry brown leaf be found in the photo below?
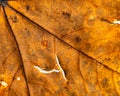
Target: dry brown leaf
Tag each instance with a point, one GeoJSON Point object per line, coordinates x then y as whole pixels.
{"type": "Point", "coordinates": [59, 48]}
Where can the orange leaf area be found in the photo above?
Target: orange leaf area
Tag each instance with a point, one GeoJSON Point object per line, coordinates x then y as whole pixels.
{"type": "Point", "coordinates": [59, 47]}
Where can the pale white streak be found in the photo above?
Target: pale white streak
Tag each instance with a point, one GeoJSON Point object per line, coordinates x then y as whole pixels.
{"type": "Point", "coordinates": [3, 83]}
{"type": "Point", "coordinates": [51, 71]}
{"type": "Point", "coordinates": [116, 21]}
{"type": "Point", "coordinates": [46, 72]}
{"type": "Point", "coordinates": [58, 64]}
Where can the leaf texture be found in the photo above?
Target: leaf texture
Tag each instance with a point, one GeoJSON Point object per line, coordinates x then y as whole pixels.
{"type": "Point", "coordinates": [60, 48]}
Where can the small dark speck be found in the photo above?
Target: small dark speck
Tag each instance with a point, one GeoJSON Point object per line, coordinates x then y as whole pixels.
{"type": "Point", "coordinates": [77, 39]}
{"type": "Point", "coordinates": [66, 14]}
{"type": "Point", "coordinates": [42, 90]}
{"type": "Point", "coordinates": [14, 19]}
{"type": "Point", "coordinates": [28, 32]}
{"type": "Point", "coordinates": [25, 28]}
{"type": "Point", "coordinates": [66, 88]}
{"type": "Point", "coordinates": [27, 7]}
{"type": "Point", "coordinates": [108, 59]}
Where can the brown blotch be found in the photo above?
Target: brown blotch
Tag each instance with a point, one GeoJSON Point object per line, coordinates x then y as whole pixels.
{"type": "Point", "coordinates": [77, 39]}
{"type": "Point", "coordinates": [104, 82]}
{"type": "Point", "coordinates": [14, 19]}
{"type": "Point", "coordinates": [66, 14]}
{"type": "Point", "coordinates": [107, 59]}
{"type": "Point", "coordinates": [88, 46]}
{"type": "Point", "coordinates": [27, 7]}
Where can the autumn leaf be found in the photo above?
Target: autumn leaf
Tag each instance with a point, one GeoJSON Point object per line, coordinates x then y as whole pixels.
{"type": "Point", "coordinates": [59, 48]}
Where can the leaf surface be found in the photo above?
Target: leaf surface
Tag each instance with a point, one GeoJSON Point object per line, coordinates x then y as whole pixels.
{"type": "Point", "coordinates": [60, 48]}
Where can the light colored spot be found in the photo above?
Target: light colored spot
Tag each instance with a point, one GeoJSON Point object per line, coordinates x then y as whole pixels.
{"type": "Point", "coordinates": [18, 78]}
{"type": "Point", "coordinates": [91, 17]}
{"type": "Point", "coordinates": [4, 84]}
{"type": "Point", "coordinates": [116, 21]}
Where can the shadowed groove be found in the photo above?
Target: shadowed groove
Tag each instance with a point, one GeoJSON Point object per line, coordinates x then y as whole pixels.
{"type": "Point", "coordinates": [13, 79]}
{"type": "Point", "coordinates": [8, 57]}
{"type": "Point", "coordinates": [84, 83]}
{"type": "Point", "coordinates": [114, 83]}
{"type": "Point", "coordinates": [97, 76]}
{"type": "Point", "coordinates": [10, 28]}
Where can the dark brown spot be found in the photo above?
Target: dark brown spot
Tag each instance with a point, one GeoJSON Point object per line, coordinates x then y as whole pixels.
{"type": "Point", "coordinates": [42, 90]}
{"type": "Point", "coordinates": [14, 19]}
{"type": "Point", "coordinates": [107, 59]}
{"type": "Point", "coordinates": [25, 28]}
{"type": "Point", "coordinates": [77, 39]}
{"type": "Point", "coordinates": [66, 14]}
{"type": "Point", "coordinates": [27, 7]}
